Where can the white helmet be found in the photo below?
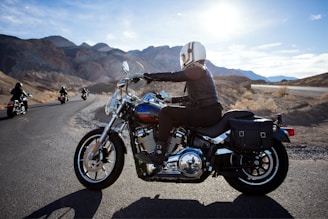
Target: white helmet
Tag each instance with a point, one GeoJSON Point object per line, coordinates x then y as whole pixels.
{"type": "Point", "coordinates": [191, 52]}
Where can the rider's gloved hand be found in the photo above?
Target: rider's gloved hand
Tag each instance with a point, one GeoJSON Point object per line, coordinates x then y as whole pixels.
{"type": "Point", "coordinates": [136, 77]}
{"type": "Point", "coordinates": [135, 80]}
{"type": "Point", "coordinates": [147, 77]}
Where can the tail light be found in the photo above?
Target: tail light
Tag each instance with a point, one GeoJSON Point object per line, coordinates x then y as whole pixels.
{"type": "Point", "coordinates": [9, 105]}
{"type": "Point", "coordinates": [290, 131]}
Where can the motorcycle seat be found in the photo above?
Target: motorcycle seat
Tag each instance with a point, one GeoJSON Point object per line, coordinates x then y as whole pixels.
{"type": "Point", "coordinates": [223, 124]}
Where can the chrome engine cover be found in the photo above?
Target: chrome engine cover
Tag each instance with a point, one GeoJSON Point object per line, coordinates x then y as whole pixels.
{"type": "Point", "coordinates": [188, 162]}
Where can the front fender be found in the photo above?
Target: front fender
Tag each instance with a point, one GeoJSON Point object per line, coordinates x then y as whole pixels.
{"type": "Point", "coordinates": [281, 135]}
{"type": "Point", "coordinates": [118, 137]}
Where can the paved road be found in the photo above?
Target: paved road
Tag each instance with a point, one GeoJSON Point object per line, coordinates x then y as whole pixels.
{"type": "Point", "coordinates": [296, 90]}
{"type": "Point", "coordinates": [37, 180]}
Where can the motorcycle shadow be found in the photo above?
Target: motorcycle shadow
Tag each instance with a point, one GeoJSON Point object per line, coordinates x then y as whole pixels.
{"type": "Point", "coordinates": [242, 207]}
{"type": "Point", "coordinates": [84, 203]}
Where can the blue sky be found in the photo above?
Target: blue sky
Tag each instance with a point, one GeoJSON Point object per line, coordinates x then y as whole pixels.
{"type": "Point", "coordinates": [269, 37]}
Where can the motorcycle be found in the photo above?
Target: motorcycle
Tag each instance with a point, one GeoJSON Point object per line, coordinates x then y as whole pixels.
{"type": "Point", "coordinates": [62, 98]}
{"type": "Point", "coordinates": [245, 149]}
{"type": "Point", "coordinates": [17, 107]}
{"type": "Point", "coordinates": [84, 96]}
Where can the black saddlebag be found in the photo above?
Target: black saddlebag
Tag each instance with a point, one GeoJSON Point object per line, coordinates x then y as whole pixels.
{"type": "Point", "coordinates": [249, 135]}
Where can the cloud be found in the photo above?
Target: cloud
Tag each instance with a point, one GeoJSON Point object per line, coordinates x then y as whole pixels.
{"type": "Point", "coordinates": [314, 17]}
{"type": "Point", "coordinates": [288, 51]}
{"type": "Point", "coordinates": [269, 46]}
{"type": "Point", "coordinates": [288, 62]}
{"type": "Point", "coordinates": [129, 34]}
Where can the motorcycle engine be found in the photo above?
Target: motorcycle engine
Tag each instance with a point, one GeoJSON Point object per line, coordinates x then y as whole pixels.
{"type": "Point", "coordinates": [145, 138]}
{"type": "Point", "coordinates": [182, 160]}
{"type": "Point", "coordinates": [188, 161]}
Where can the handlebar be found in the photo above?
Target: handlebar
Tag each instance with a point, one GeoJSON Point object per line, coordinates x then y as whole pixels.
{"type": "Point", "coordinates": [136, 76]}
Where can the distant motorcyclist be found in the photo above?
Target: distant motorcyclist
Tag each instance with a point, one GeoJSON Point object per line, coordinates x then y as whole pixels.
{"type": "Point", "coordinates": [85, 91]}
{"type": "Point", "coordinates": [17, 92]}
{"type": "Point", "coordinates": [63, 91]}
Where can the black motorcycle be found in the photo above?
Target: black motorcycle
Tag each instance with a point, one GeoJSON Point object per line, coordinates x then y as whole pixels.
{"type": "Point", "coordinates": [84, 96]}
{"type": "Point", "coordinates": [245, 149]}
{"type": "Point", "coordinates": [62, 98]}
{"type": "Point", "coordinates": [17, 107]}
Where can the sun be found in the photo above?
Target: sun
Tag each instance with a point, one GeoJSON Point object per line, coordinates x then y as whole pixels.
{"type": "Point", "coordinates": [223, 20]}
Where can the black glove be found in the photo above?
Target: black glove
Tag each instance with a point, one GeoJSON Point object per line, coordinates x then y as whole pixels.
{"type": "Point", "coordinates": [135, 80]}
{"type": "Point", "coordinates": [136, 77]}
{"type": "Point", "coordinates": [148, 78]}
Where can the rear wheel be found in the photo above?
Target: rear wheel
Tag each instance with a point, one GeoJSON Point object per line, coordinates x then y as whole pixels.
{"type": "Point", "coordinates": [265, 172]}
{"type": "Point", "coordinates": [102, 170]}
{"type": "Point", "coordinates": [10, 112]}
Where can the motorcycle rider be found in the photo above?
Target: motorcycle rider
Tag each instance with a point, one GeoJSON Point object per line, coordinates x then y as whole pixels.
{"type": "Point", "coordinates": [17, 92]}
{"type": "Point", "coordinates": [84, 91]}
{"type": "Point", "coordinates": [203, 108]}
{"type": "Point", "coordinates": [63, 91]}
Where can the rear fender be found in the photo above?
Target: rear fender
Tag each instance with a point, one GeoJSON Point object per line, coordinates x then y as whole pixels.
{"type": "Point", "coordinates": [118, 137]}
{"type": "Point", "coordinates": [10, 104]}
{"type": "Point", "coordinates": [281, 135]}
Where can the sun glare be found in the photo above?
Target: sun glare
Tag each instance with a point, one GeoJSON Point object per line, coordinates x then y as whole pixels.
{"type": "Point", "coordinates": [222, 20]}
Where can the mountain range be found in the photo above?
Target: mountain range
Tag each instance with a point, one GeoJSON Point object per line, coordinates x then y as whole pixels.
{"type": "Point", "coordinates": [54, 56]}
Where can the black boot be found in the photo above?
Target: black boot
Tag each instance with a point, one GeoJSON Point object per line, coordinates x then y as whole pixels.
{"type": "Point", "coordinates": [157, 157]}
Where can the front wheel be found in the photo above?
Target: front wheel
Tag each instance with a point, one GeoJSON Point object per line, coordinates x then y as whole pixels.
{"type": "Point", "coordinates": [102, 170]}
{"type": "Point", "coordinates": [265, 172]}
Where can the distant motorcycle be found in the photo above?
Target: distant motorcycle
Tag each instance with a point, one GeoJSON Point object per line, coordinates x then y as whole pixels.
{"type": "Point", "coordinates": [15, 107]}
{"type": "Point", "coordinates": [84, 96]}
{"type": "Point", "coordinates": [245, 149]}
{"type": "Point", "coordinates": [63, 98]}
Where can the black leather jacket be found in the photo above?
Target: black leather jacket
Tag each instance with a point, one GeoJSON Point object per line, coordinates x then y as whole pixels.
{"type": "Point", "coordinates": [63, 91]}
{"type": "Point", "coordinates": [199, 83]}
{"type": "Point", "coordinates": [17, 92]}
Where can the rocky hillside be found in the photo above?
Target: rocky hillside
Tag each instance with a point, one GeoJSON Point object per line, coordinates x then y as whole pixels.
{"type": "Point", "coordinates": [99, 63]}
{"type": "Point", "coordinates": [43, 65]}
{"type": "Point", "coordinates": [320, 80]}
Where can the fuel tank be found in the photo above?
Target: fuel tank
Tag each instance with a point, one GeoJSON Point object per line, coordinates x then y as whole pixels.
{"type": "Point", "coordinates": [148, 112]}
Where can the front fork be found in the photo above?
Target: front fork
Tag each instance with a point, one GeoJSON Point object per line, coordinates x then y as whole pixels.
{"type": "Point", "coordinates": [95, 148]}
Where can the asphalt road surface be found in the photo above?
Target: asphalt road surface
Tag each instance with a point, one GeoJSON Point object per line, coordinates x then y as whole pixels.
{"type": "Point", "coordinates": [37, 180]}
{"type": "Point", "coordinates": [296, 90]}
